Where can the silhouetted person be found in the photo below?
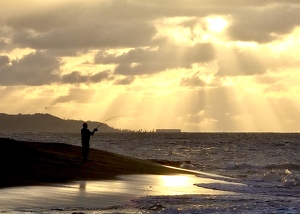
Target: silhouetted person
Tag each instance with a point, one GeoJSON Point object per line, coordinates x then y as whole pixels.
{"type": "Point", "coordinates": [85, 140]}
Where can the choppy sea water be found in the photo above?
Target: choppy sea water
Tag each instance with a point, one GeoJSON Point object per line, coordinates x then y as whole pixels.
{"type": "Point", "coordinates": [261, 170]}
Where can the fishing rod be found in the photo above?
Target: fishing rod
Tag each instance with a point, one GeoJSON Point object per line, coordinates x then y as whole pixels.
{"type": "Point", "coordinates": [109, 119]}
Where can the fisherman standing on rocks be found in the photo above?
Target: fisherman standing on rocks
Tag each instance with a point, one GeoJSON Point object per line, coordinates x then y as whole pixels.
{"type": "Point", "coordinates": [85, 140]}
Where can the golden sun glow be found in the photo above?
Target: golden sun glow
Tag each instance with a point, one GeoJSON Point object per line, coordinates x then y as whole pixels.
{"type": "Point", "coordinates": [216, 24]}
{"type": "Point", "coordinates": [188, 31]}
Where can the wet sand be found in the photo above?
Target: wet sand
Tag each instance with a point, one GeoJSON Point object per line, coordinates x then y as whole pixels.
{"type": "Point", "coordinates": [118, 193]}
{"type": "Point", "coordinates": [32, 163]}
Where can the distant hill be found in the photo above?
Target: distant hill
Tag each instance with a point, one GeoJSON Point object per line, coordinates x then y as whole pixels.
{"type": "Point", "coordinates": [45, 123]}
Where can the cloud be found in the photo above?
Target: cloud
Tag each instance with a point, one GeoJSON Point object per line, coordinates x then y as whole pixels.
{"type": "Point", "coordinates": [5, 38]}
{"type": "Point", "coordinates": [193, 81]}
{"type": "Point", "coordinates": [125, 81]}
{"type": "Point", "coordinates": [74, 77]}
{"type": "Point", "coordinates": [277, 87]}
{"type": "Point", "coordinates": [119, 24]}
{"type": "Point", "coordinates": [77, 77]}
{"type": "Point", "coordinates": [4, 60]}
{"type": "Point", "coordinates": [33, 69]}
{"type": "Point", "coordinates": [148, 61]}
{"type": "Point", "coordinates": [40, 68]}
{"type": "Point", "coordinates": [65, 29]}
{"type": "Point", "coordinates": [101, 35]}
{"type": "Point", "coordinates": [264, 24]}
{"type": "Point", "coordinates": [99, 76]}
{"type": "Point", "coordinates": [130, 23]}
{"type": "Point", "coordinates": [92, 26]}
{"type": "Point", "coordinates": [269, 80]}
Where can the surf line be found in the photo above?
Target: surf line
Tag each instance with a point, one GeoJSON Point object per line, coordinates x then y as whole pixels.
{"type": "Point", "coordinates": [101, 123]}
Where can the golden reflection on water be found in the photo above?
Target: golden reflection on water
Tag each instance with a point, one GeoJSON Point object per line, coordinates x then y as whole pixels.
{"type": "Point", "coordinates": [102, 193]}
{"type": "Point", "coordinates": [175, 181]}
{"type": "Point", "coordinates": [140, 185]}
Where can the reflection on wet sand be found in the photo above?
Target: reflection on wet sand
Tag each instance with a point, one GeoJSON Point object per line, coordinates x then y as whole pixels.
{"type": "Point", "coordinates": [100, 194]}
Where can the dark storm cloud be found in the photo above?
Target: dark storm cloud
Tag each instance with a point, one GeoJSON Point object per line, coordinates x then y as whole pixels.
{"type": "Point", "coordinates": [147, 60]}
{"type": "Point", "coordinates": [33, 69]}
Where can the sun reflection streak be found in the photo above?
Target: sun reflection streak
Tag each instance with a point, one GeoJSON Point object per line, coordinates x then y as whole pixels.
{"type": "Point", "coordinates": [177, 181]}
{"type": "Point", "coordinates": [103, 193]}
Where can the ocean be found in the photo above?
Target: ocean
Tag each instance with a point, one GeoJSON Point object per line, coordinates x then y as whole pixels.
{"type": "Point", "coordinates": [258, 172]}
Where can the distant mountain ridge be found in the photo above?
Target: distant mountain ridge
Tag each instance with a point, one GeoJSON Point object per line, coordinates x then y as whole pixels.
{"type": "Point", "coordinates": [45, 123]}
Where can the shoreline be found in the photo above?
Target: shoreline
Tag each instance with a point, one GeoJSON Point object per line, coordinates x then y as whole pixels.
{"type": "Point", "coordinates": [32, 163]}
